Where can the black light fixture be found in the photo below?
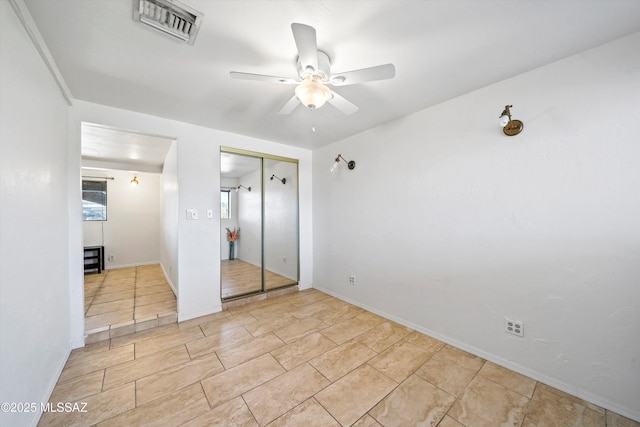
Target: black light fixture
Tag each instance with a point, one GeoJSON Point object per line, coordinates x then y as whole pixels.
{"type": "Point", "coordinates": [242, 186]}
{"type": "Point", "coordinates": [350, 163]}
{"type": "Point", "coordinates": [282, 180]}
{"type": "Point", "coordinates": [510, 127]}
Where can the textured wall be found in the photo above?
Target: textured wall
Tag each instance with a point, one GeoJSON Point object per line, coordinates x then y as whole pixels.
{"type": "Point", "coordinates": [34, 282]}
{"type": "Point", "coordinates": [448, 225]}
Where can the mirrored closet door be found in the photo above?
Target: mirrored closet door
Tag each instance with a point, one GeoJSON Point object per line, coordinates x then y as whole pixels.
{"type": "Point", "coordinates": [259, 222]}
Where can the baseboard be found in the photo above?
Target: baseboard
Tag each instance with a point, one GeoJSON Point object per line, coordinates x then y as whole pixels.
{"type": "Point", "coordinates": [77, 342]}
{"type": "Point", "coordinates": [168, 279]}
{"type": "Point", "coordinates": [189, 316]}
{"type": "Point", "coordinates": [533, 374]}
{"type": "Point", "coordinates": [135, 264]}
{"type": "Point", "coordinates": [280, 273]}
{"type": "Point", "coordinates": [51, 386]}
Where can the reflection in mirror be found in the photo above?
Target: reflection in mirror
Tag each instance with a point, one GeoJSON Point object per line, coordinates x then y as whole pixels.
{"type": "Point", "coordinates": [259, 223]}
{"type": "Point", "coordinates": [241, 231]}
{"type": "Point", "coordinates": [280, 223]}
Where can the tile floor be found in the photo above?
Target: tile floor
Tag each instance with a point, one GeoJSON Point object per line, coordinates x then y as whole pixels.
{"type": "Point", "coordinates": [125, 300]}
{"type": "Point", "coordinates": [302, 359]}
{"type": "Point", "coordinates": [240, 277]}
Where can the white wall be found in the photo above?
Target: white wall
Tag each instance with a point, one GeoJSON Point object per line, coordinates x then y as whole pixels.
{"type": "Point", "coordinates": [168, 230]}
{"type": "Point", "coordinates": [250, 218]}
{"type": "Point", "coordinates": [131, 231]}
{"type": "Point", "coordinates": [34, 293]}
{"type": "Point", "coordinates": [280, 222]}
{"type": "Point", "coordinates": [198, 181]}
{"type": "Point", "coordinates": [448, 225]}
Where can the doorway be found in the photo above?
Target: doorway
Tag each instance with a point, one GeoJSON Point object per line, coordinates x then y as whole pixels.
{"type": "Point", "coordinates": [125, 287]}
{"type": "Point", "coordinates": [259, 223]}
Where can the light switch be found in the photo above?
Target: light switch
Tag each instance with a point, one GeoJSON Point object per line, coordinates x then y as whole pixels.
{"type": "Point", "coordinates": [192, 214]}
{"type": "Point", "coordinates": [210, 213]}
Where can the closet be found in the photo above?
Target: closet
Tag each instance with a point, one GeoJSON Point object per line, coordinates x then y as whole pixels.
{"type": "Point", "coordinates": [259, 222]}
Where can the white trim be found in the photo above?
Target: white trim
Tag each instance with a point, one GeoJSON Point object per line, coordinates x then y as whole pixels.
{"type": "Point", "coordinates": [23, 14]}
{"type": "Point", "coordinates": [50, 388]}
{"type": "Point", "coordinates": [168, 279]}
{"type": "Point", "coordinates": [92, 163]}
{"type": "Point", "coordinates": [194, 315]}
{"type": "Point", "coordinates": [133, 264]}
{"type": "Point", "coordinates": [533, 374]}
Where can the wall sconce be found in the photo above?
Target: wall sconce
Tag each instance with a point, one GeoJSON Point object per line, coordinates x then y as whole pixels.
{"type": "Point", "coordinates": [135, 181]}
{"type": "Point", "coordinates": [510, 127]}
{"type": "Point", "coordinates": [282, 180]}
{"type": "Point", "coordinates": [242, 186]}
{"type": "Point", "coordinates": [350, 164]}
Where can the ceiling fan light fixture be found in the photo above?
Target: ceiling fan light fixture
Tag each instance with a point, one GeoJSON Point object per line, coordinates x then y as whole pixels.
{"type": "Point", "coordinates": [314, 73]}
{"type": "Point", "coordinates": [312, 93]}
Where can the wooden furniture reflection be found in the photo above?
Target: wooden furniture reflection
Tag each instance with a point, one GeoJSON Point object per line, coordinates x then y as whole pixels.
{"type": "Point", "coordinates": [93, 259]}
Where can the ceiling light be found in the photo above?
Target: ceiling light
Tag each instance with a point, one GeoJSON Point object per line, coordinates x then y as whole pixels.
{"type": "Point", "coordinates": [312, 93]}
{"type": "Point", "coordinates": [350, 164]}
{"type": "Point", "coordinates": [510, 127]}
{"type": "Point", "coordinates": [135, 181]}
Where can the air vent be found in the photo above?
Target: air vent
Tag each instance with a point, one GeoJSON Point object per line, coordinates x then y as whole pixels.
{"type": "Point", "coordinates": [170, 17]}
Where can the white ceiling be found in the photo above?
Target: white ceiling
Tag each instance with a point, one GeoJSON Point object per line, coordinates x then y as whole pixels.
{"type": "Point", "coordinates": [441, 49]}
{"type": "Point", "coordinates": [105, 147]}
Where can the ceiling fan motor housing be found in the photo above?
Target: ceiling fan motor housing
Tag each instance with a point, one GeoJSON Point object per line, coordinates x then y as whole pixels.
{"type": "Point", "coordinates": [314, 72]}
{"type": "Point", "coordinates": [323, 71]}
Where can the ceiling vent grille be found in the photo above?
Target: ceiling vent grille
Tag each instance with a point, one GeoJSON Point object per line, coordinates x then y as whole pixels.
{"type": "Point", "coordinates": [170, 17]}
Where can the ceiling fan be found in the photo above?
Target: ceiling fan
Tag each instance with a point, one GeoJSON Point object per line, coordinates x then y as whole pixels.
{"type": "Point", "coordinates": [314, 72]}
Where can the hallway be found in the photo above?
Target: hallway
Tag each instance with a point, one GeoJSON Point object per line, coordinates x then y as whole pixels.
{"type": "Point", "coordinates": [125, 300]}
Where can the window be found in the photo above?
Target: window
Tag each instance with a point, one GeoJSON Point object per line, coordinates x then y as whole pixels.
{"type": "Point", "coordinates": [224, 205]}
{"type": "Point", "coordinates": [94, 200]}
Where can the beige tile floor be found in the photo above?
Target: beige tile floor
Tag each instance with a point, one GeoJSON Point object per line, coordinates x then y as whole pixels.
{"type": "Point", "coordinates": [302, 359]}
{"type": "Point", "coordinates": [240, 277]}
{"type": "Point", "coordinates": [125, 300]}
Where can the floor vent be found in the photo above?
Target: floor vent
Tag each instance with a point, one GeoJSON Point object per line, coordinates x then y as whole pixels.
{"type": "Point", "coordinates": [170, 17]}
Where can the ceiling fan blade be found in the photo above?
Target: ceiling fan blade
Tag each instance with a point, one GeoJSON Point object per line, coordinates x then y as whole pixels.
{"type": "Point", "coordinates": [379, 72]}
{"type": "Point", "coordinates": [289, 106]}
{"type": "Point", "coordinates": [262, 77]}
{"type": "Point", "coordinates": [342, 104]}
{"type": "Point", "coordinates": [307, 44]}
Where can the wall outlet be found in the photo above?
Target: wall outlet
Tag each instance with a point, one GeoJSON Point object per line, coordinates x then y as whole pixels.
{"type": "Point", "coordinates": [515, 327]}
{"type": "Point", "coordinates": [284, 259]}
{"type": "Point", "coordinates": [111, 257]}
{"type": "Point", "coordinates": [352, 280]}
